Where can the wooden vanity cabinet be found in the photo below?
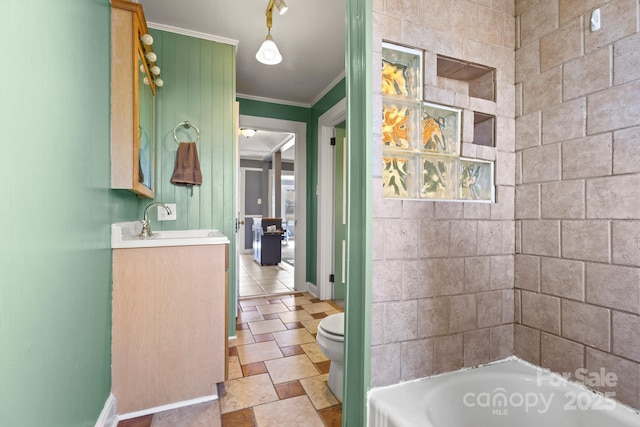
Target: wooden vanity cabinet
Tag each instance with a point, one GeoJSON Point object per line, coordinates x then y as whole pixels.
{"type": "Point", "coordinates": [169, 325]}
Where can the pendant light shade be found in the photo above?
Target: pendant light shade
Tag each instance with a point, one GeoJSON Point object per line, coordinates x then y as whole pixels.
{"type": "Point", "coordinates": [268, 53]}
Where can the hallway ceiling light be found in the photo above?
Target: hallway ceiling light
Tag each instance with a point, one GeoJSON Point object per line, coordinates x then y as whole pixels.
{"type": "Point", "coordinates": [247, 133]}
{"type": "Point", "coordinates": [268, 53]}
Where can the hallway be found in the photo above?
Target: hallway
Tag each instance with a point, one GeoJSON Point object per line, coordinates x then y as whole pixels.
{"type": "Point", "coordinates": [257, 280]}
{"type": "Point", "coordinates": [277, 373]}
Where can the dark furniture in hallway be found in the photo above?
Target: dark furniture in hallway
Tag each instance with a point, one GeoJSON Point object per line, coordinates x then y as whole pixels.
{"type": "Point", "coordinates": [267, 249]}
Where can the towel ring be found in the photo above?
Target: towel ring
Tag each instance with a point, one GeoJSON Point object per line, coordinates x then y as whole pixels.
{"type": "Point", "coordinates": [186, 125]}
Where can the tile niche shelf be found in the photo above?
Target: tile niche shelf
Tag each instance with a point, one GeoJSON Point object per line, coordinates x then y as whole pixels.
{"type": "Point", "coordinates": [421, 140]}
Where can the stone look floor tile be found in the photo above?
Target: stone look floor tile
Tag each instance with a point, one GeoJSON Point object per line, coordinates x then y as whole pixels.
{"type": "Point", "coordinates": [324, 366]}
{"type": "Point", "coordinates": [254, 369]}
{"type": "Point", "coordinates": [313, 351]}
{"type": "Point", "coordinates": [258, 352]}
{"type": "Point", "coordinates": [293, 337]}
{"type": "Point", "coordinates": [272, 316]}
{"type": "Point", "coordinates": [242, 337]}
{"type": "Point", "coordinates": [295, 301]}
{"type": "Point", "coordinates": [255, 280]}
{"type": "Point", "coordinates": [288, 390]}
{"type": "Point", "coordinates": [318, 391]}
{"type": "Point", "coordinates": [201, 415]}
{"type": "Point", "coordinates": [270, 281]}
{"type": "Point", "coordinates": [266, 326]}
{"type": "Point", "coordinates": [247, 392]}
{"type": "Point", "coordinates": [289, 281]}
{"type": "Point", "coordinates": [286, 277]}
{"type": "Point", "coordinates": [290, 368]}
{"type": "Point", "coordinates": [144, 421]}
{"type": "Point", "coordinates": [318, 307]}
{"type": "Point", "coordinates": [251, 290]}
{"type": "Point", "coordinates": [294, 316]}
{"type": "Point", "coordinates": [234, 369]}
{"type": "Point", "coordinates": [272, 308]}
{"type": "Point", "coordinates": [294, 325]}
{"type": "Point", "coordinates": [252, 301]}
{"type": "Point", "coordinates": [261, 275]}
{"type": "Point", "coordinates": [291, 351]}
{"type": "Point", "coordinates": [312, 325]}
{"type": "Point", "coordinates": [241, 418]}
{"type": "Point", "coordinates": [297, 411]}
{"type": "Point", "coordinates": [249, 316]}
{"type": "Point", "coordinates": [276, 288]}
{"type": "Point", "coordinates": [263, 337]}
{"type": "Point", "coordinates": [332, 417]}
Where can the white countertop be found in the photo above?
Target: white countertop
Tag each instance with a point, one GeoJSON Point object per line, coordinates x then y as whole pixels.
{"type": "Point", "coordinates": [125, 235]}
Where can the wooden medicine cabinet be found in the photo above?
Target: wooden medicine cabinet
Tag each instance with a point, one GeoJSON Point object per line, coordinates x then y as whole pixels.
{"type": "Point", "coordinates": [133, 87]}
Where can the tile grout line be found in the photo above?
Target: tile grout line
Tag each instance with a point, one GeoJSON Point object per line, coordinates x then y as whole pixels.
{"type": "Point", "coordinates": [277, 299]}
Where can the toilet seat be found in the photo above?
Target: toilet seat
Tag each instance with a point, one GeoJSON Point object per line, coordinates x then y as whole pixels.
{"type": "Point", "coordinates": [330, 339]}
{"type": "Point", "coordinates": [332, 327]}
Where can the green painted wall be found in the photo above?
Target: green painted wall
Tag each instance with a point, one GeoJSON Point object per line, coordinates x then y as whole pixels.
{"type": "Point", "coordinates": [55, 256]}
{"type": "Point", "coordinates": [309, 116]}
{"type": "Point", "coordinates": [251, 107]}
{"type": "Point", "coordinates": [199, 87]}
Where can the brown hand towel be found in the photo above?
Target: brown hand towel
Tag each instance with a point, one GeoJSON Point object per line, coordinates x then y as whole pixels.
{"type": "Point", "coordinates": [186, 171]}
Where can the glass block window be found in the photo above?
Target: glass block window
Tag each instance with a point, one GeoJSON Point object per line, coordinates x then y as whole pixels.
{"type": "Point", "coordinates": [421, 140]}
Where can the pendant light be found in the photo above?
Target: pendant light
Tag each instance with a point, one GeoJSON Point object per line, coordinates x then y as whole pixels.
{"type": "Point", "coordinates": [268, 53]}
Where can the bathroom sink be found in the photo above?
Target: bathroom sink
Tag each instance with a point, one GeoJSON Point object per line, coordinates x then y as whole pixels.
{"type": "Point", "coordinates": [125, 235]}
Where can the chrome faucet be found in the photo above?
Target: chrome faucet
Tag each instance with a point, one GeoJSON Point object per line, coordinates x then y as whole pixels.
{"type": "Point", "coordinates": [146, 229]}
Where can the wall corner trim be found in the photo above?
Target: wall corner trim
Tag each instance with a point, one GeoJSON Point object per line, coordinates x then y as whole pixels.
{"type": "Point", "coordinates": [108, 417]}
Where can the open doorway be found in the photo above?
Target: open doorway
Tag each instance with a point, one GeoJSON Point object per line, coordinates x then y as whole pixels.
{"type": "Point", "coordinates": [330, 246]}
{"type": "Point", "coordinates": [271, 185]}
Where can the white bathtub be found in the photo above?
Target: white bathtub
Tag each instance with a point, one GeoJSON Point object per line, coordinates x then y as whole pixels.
{"type": "Point", "coordinates": [510, 393]}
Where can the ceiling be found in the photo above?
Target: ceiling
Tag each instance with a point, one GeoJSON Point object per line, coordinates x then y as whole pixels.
{"type": "Point", "coordinates": [310, 37]}
{"type": "Point", "coordinates": [264, 143]}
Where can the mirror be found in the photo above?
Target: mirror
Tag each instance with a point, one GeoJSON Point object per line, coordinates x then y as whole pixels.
{"type": "Point", "coordinates": [134, 79]}
{"type": "Point", "coordinates": [146, 127]}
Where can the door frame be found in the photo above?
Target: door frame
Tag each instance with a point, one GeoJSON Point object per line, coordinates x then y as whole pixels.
{"type": "Point", "coordinates": [299, 129]}
{"type": "Point", "coordinates": [326, 183]}
{"type": "Point", "coordinates": [242, 228]}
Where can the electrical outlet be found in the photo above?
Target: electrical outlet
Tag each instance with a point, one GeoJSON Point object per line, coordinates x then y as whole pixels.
{"type": "Point", "coordinates": [162, 213]}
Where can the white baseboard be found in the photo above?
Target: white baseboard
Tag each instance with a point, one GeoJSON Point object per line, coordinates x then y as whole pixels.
{"type": "Point", "coordinates": [311, 288]}
{"type": "Point", "coordinates": [167, 407]}
{"type": "Point", "coordinates": [108, 417]}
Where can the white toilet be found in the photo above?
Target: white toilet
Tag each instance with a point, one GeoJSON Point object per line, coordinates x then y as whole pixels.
{"type": "Point", "coordinates": [330, 339]}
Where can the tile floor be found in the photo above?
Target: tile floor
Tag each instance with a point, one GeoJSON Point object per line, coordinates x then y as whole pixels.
{"type": "Point", "coordinates": [277, 373]}
{"type": "Point", "coordinates": [254, 279]}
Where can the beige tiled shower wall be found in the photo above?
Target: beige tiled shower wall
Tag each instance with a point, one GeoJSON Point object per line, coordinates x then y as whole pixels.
{"type": "Point", "coordinates": [443, 272]}
{"type": "Point", "coordinates": [577, 266]}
